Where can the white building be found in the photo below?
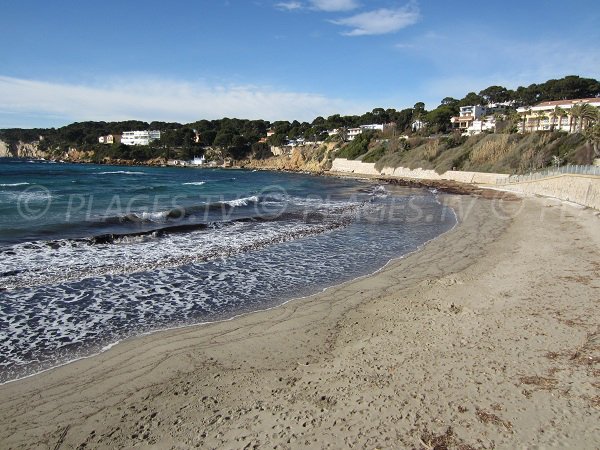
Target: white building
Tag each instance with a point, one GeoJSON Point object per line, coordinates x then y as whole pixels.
{"type": "Point", "coordinates": [418, 125]}
{"type": "Point", "coordinates": [353, 132]}
{"type": "Point", "coordinates": [467, 115]}
{"type": "Point", "coordinates": [375, 127]}
{"type": "Point", "coordinates": [199, 161]}
{"type": "Point", "coordinates": [139, 137]}
{"type": "Point", "coordinates": [480, 125]}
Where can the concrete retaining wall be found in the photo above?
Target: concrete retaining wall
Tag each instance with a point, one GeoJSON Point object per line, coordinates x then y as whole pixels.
{"type": "Point", "coordinates": [581, 189]}
{"type": "Point", "coordinates": [361, 168]}
{"type": "Point", "coordinates": [357, 167]}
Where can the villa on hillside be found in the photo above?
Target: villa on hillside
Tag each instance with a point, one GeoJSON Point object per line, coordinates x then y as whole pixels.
{"type": "Point", "coordinates": [418, 124]}
{"type": "Point", "coordinates": [475, 119]}
{"type": "Point", "coordinates": [556, 115]}
{"type": "Point", "coordinates": [139, 137]}
{"type": "Point", "coordinates": [110, 139]}
{"type": "Point", "coordinates": [198, 161]}
{"type": "Point", "coordinates": [467, 115]}
{"type": "Point", "coordinates": [351, 133]}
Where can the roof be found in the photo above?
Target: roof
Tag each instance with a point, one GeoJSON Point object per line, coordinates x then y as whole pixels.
{"type": "Point", "coordinates": [569, 102]}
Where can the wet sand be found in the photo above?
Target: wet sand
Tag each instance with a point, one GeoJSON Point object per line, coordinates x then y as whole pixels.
{"type": "Point", "coordinates": [489, 337]}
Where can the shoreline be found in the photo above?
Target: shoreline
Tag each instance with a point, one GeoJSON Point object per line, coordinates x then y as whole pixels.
{"type": "Point", "coordinates": [110, 345]}
{"type": "Point", "coordinates": [480, 338]}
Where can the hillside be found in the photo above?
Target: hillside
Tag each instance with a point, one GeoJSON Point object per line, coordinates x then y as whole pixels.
{"type": "Point", "coordinates": [496, 153]}
{"type": "Point", "coordinates": [500, 153]}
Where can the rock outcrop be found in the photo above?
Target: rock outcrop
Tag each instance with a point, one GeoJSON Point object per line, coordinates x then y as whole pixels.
{"type": "Point", "coordinates": [306, 159]}
{"type": "Point", "coordinates": [4, 150]}
{"type": "Point", "coordinates": [21, 150]}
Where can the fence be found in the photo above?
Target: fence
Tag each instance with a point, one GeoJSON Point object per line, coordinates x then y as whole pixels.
{"type": "Point", "coordinates": [552, 172]}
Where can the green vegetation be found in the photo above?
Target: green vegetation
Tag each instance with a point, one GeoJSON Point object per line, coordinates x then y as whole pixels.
{"type": "Point", "coordinates": [129, 152]}
{"type": "Point", "coordinates": [239, 139]}
{"type": "Point", "coordinates": [569, 87]}
{"type": "Point", "coordinates": [359, 146]}
{"type": "Point", "coordinates": [375, 154]}
{"type": "Point", "coordinates": [502, 153]}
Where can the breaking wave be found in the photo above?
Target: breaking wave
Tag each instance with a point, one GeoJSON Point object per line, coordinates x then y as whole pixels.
{"type": "Point", "coordinates": [12, 184]}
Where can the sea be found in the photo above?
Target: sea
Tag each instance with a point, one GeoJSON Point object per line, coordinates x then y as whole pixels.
{"type": "Point", "coordinates": [91, 255]}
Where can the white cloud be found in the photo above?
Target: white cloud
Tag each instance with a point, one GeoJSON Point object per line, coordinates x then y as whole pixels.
{"type": "Point", "coordinates": [334, 5]}
{"type": "Point", "coordinates": [289, 6]}
{"type": "Point", "coordinates": [381, 21]}
{"type": "Point", "coordinates": [158, 100]}
{"type": "Point", "coordinates": [319, 5]}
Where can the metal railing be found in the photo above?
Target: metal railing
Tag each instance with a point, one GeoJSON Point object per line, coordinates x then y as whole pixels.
{"type": "Point", "coordinates": [551, 172]}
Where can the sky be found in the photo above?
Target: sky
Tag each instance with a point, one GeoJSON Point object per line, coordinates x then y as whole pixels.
{"type": "Point", "coordinates": [184, 60]}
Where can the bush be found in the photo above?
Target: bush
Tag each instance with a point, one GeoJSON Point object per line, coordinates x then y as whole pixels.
{"type": "Point", "coordinates": [359, 146]}
{"type": "Point", "coordinates": [374, 155]}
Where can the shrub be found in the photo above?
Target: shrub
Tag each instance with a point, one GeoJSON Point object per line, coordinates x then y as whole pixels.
{"type": "Point", "coordinates": [374, 155]}
{"type": "Point", "coordinates": [359, 146]}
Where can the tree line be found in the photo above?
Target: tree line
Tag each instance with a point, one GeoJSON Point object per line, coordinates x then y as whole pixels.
{"type": "Point", "coordinates": [240, 138]}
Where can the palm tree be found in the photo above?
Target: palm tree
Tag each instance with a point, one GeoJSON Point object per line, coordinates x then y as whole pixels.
{"type": "Point", "coordinates": [588, 114]}
{"type": "Point", "coordinates": [525, 113]}
{"type": "Point", "coordinates": [557, 112]}
{"type": "Point", "coordinates": [514, 118]}
{"type": "Point", "coordinates": [540, 115]}
{"type": "Point", "coordinates": [592, 134]}
{"type": "Point", "coordinates": [563, 113]}
{"type": "Point", "coordinates": [584, 114]}
{"type": "Point", "coordinates": [575, 116]}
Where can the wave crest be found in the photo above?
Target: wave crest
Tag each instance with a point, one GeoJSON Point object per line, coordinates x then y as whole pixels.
{"type": "Point", "coordinates": [13, 184]}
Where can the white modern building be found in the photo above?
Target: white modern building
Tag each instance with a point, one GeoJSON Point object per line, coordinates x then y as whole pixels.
{"type": "Point", "coordinates": [139, 137]}
{"type": "Point", "coordinates": [376, 126]}
{"type": "Point", "coordinates": [353, 132]}
{"type": "Point", "coordinates": [476, 119]}
{"type": "Point", "coordinates": [467, 115]}
{"type": "Point", "coordinates": [480, 125]}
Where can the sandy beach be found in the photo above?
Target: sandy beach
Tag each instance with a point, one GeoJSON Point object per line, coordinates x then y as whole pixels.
{"type": "Point", "coordinates": [488, 337]}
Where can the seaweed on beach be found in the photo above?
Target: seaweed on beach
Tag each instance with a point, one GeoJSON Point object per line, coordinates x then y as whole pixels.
{"type": "Point", "coordinates": [540, 382]}
{"type": "Point", "coordinates": [487, 417]}
{"type": "Point", "coordinates": [444, 441]}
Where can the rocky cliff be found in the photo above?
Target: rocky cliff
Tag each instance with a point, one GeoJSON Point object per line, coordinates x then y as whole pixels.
{"type": "Point", "coordinates": [21, 150]}
{"type": "Point", "coordinates": [4, 153]}
{"type": "Point", "coordinates": [306, 159]}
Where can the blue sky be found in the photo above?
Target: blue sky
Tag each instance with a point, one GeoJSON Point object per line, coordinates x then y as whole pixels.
{"type": "Point", "coordinates": [65, 61]}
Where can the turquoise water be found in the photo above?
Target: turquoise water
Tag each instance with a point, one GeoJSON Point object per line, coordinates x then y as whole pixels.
{"type": "Point", "coordinates": [95, 254]}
